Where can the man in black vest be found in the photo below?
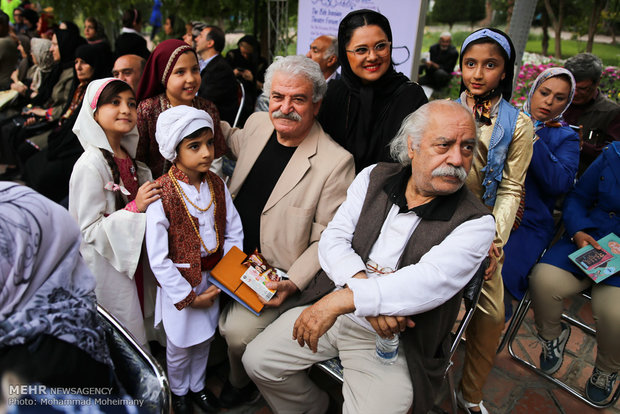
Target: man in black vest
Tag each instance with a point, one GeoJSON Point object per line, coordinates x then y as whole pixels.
{"type": "Point", "coordinates": [218, 83]}
{"type": "Point", "coordinates": [400, 249]}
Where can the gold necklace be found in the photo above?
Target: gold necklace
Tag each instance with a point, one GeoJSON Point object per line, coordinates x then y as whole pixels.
{"type": "Point", "coordinates": [185, 195]}
{"type": "Point", "coordinates": [182, 195]}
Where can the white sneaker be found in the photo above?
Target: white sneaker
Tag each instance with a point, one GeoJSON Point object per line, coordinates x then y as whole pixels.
{"type": "Point", "coordinates": [466, 405]}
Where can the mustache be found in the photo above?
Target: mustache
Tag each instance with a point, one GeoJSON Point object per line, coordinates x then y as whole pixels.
{"type": "Point", "coordinates": [448, 170]}
{"type": "Point", "coordinates": [293, 116]}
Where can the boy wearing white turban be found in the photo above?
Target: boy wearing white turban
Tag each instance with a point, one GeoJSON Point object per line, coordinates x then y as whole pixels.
{"type": "Point", "coordinates": [187, 232]}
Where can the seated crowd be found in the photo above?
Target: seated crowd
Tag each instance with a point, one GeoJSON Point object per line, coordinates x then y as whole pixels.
{"type": "Point", "coordinates": [377, 206]}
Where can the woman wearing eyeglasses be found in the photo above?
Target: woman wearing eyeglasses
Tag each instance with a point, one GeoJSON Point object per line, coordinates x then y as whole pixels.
{"type": "Point", "coordinates": [363, 109]}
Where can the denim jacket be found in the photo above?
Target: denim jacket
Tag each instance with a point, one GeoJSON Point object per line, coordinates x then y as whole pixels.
{"type": "Point", "coordinates": [501, 137]}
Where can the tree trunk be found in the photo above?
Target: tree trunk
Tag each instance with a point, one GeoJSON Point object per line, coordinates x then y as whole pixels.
{"type": "Point", "coordinates": [597, 8]}
{"type": "Point", "coordinates": [556, 22]}
{"type": "Point", "coordinates": [510, 5]}
{"type": "Point", "coordinates": [558, 30]}
{"type": "Point", "coordinates": [545, 34]}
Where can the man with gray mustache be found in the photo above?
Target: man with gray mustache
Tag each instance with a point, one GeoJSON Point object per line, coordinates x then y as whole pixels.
{"type": "Point", "coordinates": [400, 249]}
{"type": "Point", "coordinates": [289, 180]}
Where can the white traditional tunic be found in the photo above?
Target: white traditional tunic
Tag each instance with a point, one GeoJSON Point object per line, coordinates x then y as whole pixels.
{"type": "Point", "coordinates": [111, 239]}
{"type": "Point", "coordinates": [188, 326]}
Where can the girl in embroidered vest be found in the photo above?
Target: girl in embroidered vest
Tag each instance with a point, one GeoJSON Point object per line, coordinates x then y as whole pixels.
{"type": "Point", "coordinates": [550, 175]}
{"type": "Point", "coordinates": [497, 176]}
{"type": "Point", "coordinates": [107, 192]}
{"type": "Point", "coordinates": [171, 77]}
{"type": "Point", "coordinates": [187, 232]}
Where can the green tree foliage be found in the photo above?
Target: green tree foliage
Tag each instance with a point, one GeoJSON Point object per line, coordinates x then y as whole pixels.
{"type": "Point", "coordinates": [449, 11]}
{"type": "Point", "coordinates": [476, 10]}
{"type": "Point", "coordinates": [231, 14]}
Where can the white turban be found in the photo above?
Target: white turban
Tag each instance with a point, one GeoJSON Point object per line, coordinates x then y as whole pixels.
{"type": "Point", "coordinates": [177, 123]}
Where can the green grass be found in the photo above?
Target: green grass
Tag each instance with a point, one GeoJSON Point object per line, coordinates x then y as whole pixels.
{"type": "Point", "coordinates": [609, 54]}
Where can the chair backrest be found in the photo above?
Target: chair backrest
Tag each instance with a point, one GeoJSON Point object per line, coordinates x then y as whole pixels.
{"type": "Point", "coordinates": [241, 95]}
{"type": "Point", "coordinates": [139, 373]}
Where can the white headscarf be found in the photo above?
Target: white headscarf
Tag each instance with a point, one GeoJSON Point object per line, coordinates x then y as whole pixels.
{"type": "Point", "coordinates": [89, 132]}
{"type": "Point", "coordinates": [175, 124]}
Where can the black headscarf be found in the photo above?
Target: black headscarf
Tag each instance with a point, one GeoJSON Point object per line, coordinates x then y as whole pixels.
{"type": "Point", "coordinates": [68, 42]}
{"type": "Point", "coordinates": [97, 56]}
{"type": "Point", "coordinates": [505, 85]}
{"type": "Point", "coordinates": [26, 62]}
{"type": "Point", "coordinates": [255, 64]}
{"type": "Point", "coordinates": [363, 117]}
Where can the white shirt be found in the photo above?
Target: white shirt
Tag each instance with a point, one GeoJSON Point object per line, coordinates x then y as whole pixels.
{"type": "Point", "coordinates": [439, 275]}
{"type": "Point", "coordinates": [188, 326]}
{"type": "Point", "coordinates": [130, 30]}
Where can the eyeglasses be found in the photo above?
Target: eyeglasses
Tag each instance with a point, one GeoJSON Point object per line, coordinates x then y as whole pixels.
{"type": "Point", "coordinates": [375, 268]}
{"type": "Point", "coordinates": [381, 49]}
{"type": "Point", "coordinates": [586, 89]}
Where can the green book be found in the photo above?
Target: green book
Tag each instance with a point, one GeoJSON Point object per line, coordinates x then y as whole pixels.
{"type": "Point", "coordinates": [599, 264]}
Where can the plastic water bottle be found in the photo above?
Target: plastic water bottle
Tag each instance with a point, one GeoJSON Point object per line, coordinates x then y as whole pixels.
{"type": "Point", "coordinates": [387, 349]}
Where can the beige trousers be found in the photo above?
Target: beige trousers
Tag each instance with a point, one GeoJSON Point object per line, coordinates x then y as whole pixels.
{"type": "Point", "coordinates": [550, 285]}
{"type": "Point", "coordinates": [483, 333]}
{"type": "Point", "coordinates": [239, 327]}
{"type": "Point", "coordinates": [277, 364]}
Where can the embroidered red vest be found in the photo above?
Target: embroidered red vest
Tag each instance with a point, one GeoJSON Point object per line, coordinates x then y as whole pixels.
{"type": "Point", "coordinates": [183, 242]}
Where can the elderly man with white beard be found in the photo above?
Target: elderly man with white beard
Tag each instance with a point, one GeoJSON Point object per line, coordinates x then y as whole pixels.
{"type": "Point", "coordinates": [289, 180]}
{"type": "Point", "coordinates": [400, 249]}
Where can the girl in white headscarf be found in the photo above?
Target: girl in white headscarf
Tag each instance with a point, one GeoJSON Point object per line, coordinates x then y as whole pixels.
{"type": "Point", "coordinates": [108, 191]}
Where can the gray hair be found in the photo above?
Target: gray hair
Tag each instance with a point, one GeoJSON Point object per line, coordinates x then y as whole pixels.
{"type": "Point", "coordinates": [415, 124]}
{"type": "Point", "coordinates": [446, 34]}
{"type": "Point", "coordinates": [298, 65]}
{"type": "Point", "coordinates": [332, 49]}
{"type": "Point", "coordinates": [585, 66]}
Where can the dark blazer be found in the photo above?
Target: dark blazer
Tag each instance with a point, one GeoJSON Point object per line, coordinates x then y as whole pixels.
{"type": "Point", "coordinates": [219, 86]}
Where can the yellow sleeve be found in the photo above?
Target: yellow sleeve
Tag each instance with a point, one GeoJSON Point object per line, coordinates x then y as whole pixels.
{"type": "Point", "coordinates": [513, 179]}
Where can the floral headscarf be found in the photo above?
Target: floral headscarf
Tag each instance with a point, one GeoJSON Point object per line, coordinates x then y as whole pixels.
{"type": "Point", "coordinates": [45, 286]}
{"type": "Point", "coordinates": [546, 74]}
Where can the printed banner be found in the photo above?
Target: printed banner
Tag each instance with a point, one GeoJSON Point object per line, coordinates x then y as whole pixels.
{"type": "Point", "coordinates": [322, 17]}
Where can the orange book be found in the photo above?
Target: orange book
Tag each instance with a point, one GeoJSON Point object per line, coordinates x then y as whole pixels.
{"type": "Point", "coordinates": [227, 276]}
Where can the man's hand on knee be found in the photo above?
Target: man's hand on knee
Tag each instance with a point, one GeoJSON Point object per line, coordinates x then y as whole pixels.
{"type": "Point", "coordinates": [315, 320]}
